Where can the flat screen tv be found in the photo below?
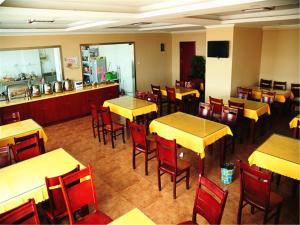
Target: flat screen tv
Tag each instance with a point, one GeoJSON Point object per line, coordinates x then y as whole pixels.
{"type": "Point", "coordinates": [218, 49]}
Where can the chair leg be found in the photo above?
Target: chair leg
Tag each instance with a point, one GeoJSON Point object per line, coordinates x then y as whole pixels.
{"type": "Point", "coordinates": [265, 217]}
{"type": "Point", "coordinates": [104, 133]}
{"type": "Point", "coordinates": [146, 163]}
{"type": "Point", "coordinates": [252, 210]}
{"type": "Point", "coordinates": [277, 215]}
{"type": "Point", "coordinates": [93, 130]}
{"type": "Point", "coordinates": [133, 158]}
{"type": "Point", "coordinates": [233, 144]}
{"type": "Point", "coordinates": [123, 135]}
{"type": "Point", "coordinates": [239, 215]}
{"type": "Point", "coordinates": [158, 177]}
{"type": "Point", "coordinates": [98, 132]}
{"type": "Point", "coordinates": [174, 186]}
{"type": "Point", "coordinates": [187, 179]}
{"type": "Point", "coordinates": [112, 139]}
{"type": "Point", "coordinates": [278, 180]}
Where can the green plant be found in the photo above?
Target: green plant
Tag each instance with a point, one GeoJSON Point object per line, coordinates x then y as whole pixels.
{"type": "Point", "coordinates": [198, 67]}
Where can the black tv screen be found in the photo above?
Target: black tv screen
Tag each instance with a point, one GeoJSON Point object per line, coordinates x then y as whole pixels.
{"type": "Point", "coordinates": [218, 49]}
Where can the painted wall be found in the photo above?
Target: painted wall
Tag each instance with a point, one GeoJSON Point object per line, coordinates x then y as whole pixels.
{"type": "Point", "coordinates": [280, 55]}
{"type": "Point", "coordinates": [200, 41]}
{"type": "Point", "coordinates": [152, 65]}
{"type": "Point", "coordinates": [218, 70]}
{"type": "Point", "coordinates": [246, 57]}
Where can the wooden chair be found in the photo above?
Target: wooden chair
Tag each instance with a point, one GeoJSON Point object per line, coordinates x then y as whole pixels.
{"type": "Point", "coordinates": [154, 99]}
{"type": "Point", "coordinates": [296, 131]}
{"type": "Point", "coordinates": [217, 107]}
{"type": "Point", "coordinates": [255, 190]}
{"type": "Point", "coordinates": [140, 94]}
{"type": "Point", "coordinates": [78, 191]}
{"type": "Point", "coordinates": [179, 83]}
{"type": "Point", "coordinates": [23, 214]}
{"type": "Point", "coordinates": [172, 101]}
{"type": "Point", "coordinates": [5, 159]}
{"type": "Point", "coordinates": [26, 137]}
{"type": "Point", "coordinates": [205, 110]}
{"type": "Point", "coordinates": [268, 97]}
{"type": "Point", "coordinates": [229, 117]}
{"type": "Point", "coordinates": [95, 121]}
{"type": "Point", "coordinates": [190, 84]}
{"type": "Point", "coordinates": [209, 202]}
{"type": "Point", "coordinates": [279, 85]}
{"type": "Point", "coordinates": [11, 118]}
{"type": "Point", "coordinates": [140, 144]}
{"type": "Point", "coordinates": [108, 126]}
{"type": "Point", "coordinates": [265, 83]}
{"type": "Point", "coordinates": [244, 93]}
{"type": "Point", "coordinates": [295, 88]}
{"type": "Point", "coordinates": [26, 149]}
{"type": "Point", "coordinates": [161, 99]}
{"type": "Point", "coordinates": [57, 207]}
{"type": "Point", "coordinates": [239, 106]}
{"type": "Point", "coordinates": [166, 154]}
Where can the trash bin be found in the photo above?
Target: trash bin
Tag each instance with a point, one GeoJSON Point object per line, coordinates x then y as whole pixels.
{"type": "Point", "coordinates": [227, 173]}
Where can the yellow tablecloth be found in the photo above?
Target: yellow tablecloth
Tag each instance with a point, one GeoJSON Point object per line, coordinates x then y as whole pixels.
{"type": "Point", "coordinates": [26, 179]}
{"type": "Point", "coordinates": [181, 91]}
{"type": "Point", "coordinates": [281, 95]}
{"type": "Point", "coordinates": [189, 131]}
{"type": "Point", "coordinates": [253, 110]}
{"type": "Point", "coordinates": [133, 217]}
{"type": "Point", "coordinates": [294, 121]}
{"type": "Point", "coordinates": [18, 129]}
{"type": "Point", "coordinates": [279, 154]}
{"type": "Point", "coordinates": [129, 107]}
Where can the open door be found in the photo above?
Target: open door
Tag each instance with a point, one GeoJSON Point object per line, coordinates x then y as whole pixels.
{"type": "Point", "coordinates": [187, 51]}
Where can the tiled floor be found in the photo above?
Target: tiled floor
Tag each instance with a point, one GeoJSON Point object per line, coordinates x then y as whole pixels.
{"type": "Point", "coordinates": [120, 188]}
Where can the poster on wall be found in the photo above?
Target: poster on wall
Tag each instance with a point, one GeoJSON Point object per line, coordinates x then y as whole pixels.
{"type": "Point", "coordinates": [72, 62]}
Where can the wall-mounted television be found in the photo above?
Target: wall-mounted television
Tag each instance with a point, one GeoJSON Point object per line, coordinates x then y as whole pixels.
{"type": "Point", "coordinates": [218, 49]}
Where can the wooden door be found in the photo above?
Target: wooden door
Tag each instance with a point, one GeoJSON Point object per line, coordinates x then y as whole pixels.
{"type": "Point", "coordinates": [187, 51]}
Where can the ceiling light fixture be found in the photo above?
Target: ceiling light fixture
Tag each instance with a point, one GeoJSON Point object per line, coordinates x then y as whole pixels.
{"type": "Point", "coordinates": [88, 25]}
{"type": "Point", "coordinates": [31, 21]}
{"type": "Point", "coordinates": [259, 9]}
{"type": "Point", "coordinates": [168, 27]}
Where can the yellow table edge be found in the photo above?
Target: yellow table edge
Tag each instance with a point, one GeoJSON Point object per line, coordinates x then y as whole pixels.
{"type": "Point", "coordinates": [133, 217]}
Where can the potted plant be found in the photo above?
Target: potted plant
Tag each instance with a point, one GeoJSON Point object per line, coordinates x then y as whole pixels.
{"type": "Point", "coordinates": [198, 73]}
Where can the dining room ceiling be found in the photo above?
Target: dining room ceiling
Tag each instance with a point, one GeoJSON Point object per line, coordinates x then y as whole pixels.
{"type": "Point", "coordinates": [107, 16]}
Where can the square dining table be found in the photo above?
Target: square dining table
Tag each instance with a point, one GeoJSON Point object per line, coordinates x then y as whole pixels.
{"type": "Point", "coordinates": [279, 154]}
{"type": "Point", "coordinates": [191, 132]}
{"type": "Point", "coordinates": [26, 179]}
{"type": "Point", "coordinates": [21, 128]}
{"type": "Point", "coordinates": [181, 92]}
{"type": "Point", "coordinates": [253, 110]}
{"type": "Point", "coordinates": [281, 95]}
{"type": "Point", "coordinates": [130, 107]}
{"type": "Point", "coordinates": [133, 217]}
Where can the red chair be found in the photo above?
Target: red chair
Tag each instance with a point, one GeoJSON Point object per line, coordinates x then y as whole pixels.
{"type": "Point", "coordinates": [255, 190]}
{"type": "Point", "coordinates": [5, 159]}
{"type": "Point", "coordinates": [279, 85]}
{"type": "Point", "coordinates": [26, 137]}
{"type": "Point", "coordinates": [209, 202]}
{"type": "Point", "coordinates": [239, 106]}
{"type": "Point", "coordinates": [23, 214]}
{"type": "Point", "coordinates": [244, 93]}
{"type": "Point", "coordinates": [153, 115]}
{"type": "Point", "coordinates": [108, 126]}
{"type": "Point", "coordinates": [296, 131]}
{"type": "Point", "coordinates": [172, 101]}
{"type": "Point", "coordinates": [95, 121]}
{"type": "Point", "coordinates": [140, 144]}
{"type": "Point", "coordinates": [295, 88]}
{"type": "Point", "coordinates": [57, 207]}
{"type": "Point", "coordinates": [166, 154]}
{"type": "Point", "coordinates": [268, 97]}
{"type": "Point", "coordinates": [179, 83]}
{"type": "Point", "coordinates": [217, 110]}
{"type": "Point", "coordinates": [140, 94]}
{"type": "Point", "coordinates": [205, 110]}
{"type": "Point", "coordinates": [26, 149]}
{"type": "Point", "coordinates": [79, 191]}
{"type": "Point", "coordinates": [161, 99]}
{"type": "Point", "coordinates": [265, 83]}
{"type": "Point", "coordinates": [11, 118]}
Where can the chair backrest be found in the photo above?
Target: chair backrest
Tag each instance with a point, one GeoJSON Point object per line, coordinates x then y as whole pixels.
{"type": "Point", "coordinates": [156, 90]}
{"type": "Point", "coordinates": [26, 137]}
{"type": "Point", "coordinates": [5, 159]}
{"type": "Point", "coordinates": [244, 93]}
{"type": "Point", "coordinates": [152, 98]}
{"type": "Point", "coordinates": [26, 149]}
{"type": "Point", "coordinates": [267, 97]}
{"type": "Point", "coordinates": [217, 103]}
{"type": "Point", "coordinates": [229, 115]}
{"type": "Point", "coordinates": [265, 83]}
{"type": "Point", "coordinates": [205, 110]}
{"type": "Point", "coordinates": [94, 113]}
{"type": "Point", "coordinates": [240, 106]}
{"type": "Point", "coordinates": [23, 214]}
{"type": "Point", "coordinates": [11, 118]}
{"type": "Point", "coordinates": [105, 115]}
{"type": "Point", "coordinates": [138, 134]}
{"type": "Point", "coordinates": [166, 152]}
{"type": "Point", "coordinates": [171, 94]}
{"type": "Point", "coordinates": [56, 198]}
{"type": "Point", "coordinates": [179, 83]}
{"type": "Point", "coordinates": [295, 88]}
{"type": "Point", "coordinates": [279, 85]}
{"type": "Point", "coordinates": [255, 185]}
{"type": "Point", "coordinates": [140, 94]}
{"type": "Point", "coordinates": [190, 84]}
{"type": "Point", "coordinates": [210, 201]}
{"type": "Point", "coordinates": [79, 190]}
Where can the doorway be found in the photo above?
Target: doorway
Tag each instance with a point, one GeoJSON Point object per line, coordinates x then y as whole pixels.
{"type": "Point", "coordinates": [187, 51]}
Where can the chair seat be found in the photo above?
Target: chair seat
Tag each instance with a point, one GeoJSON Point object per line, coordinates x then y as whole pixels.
{"type": "Point", "coordinates": [116, 126]}
{"type": "Point", "coordinates": [97, 217]}
{"type": "Point", "coordinates": [187, 223]}
{"type": "Point", "coordinates": [182, 166]}
{"type": "Point", "coordinates": [275, 200]}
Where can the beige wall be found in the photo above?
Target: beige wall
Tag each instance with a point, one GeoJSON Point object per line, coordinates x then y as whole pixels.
{"type": "Point", "coordinates": [280, 55]}
{"type": "Point", "coordinates": [246, 57]}
{"type": "Point", "coordinates": [218, 71]}
{"type": "Point", "coordinates": [198, 37]}
{"type": "Point", "coordinates": [152, 66]}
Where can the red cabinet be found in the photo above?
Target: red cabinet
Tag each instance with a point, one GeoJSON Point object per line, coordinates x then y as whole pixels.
{"type": "Point", "coordinates": [57, 109]}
